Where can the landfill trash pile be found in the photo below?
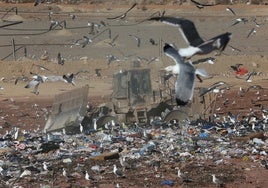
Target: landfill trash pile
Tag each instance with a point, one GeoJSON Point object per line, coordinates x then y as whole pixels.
{"type": "Point", "coordinates": [185, 153]}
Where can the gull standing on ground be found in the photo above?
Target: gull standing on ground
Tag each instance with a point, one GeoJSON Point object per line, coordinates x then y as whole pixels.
{"type": "Point", "coordinates": [183, 176]}
{"type": "Point", "coordinates": [190, 34]}
{"type": "Point", "coordinates": [81, 128]}
{"type": "Point", "coordinates": [64, 173]}
{"type": "Point", "coordinates": [216, 180]}
{"type": "Point", "coordinates": [45, 167]}
{"type": "Point", "coordinates": [25, 173]}
{"type": "Point", "coordinates": [118, 172]}
{"type": "Point", "coordinates": [60, 59]}
{"type": "Point", "coordinates": [44, 56]}
{"type": "Point", "coordinates": [88, 177]}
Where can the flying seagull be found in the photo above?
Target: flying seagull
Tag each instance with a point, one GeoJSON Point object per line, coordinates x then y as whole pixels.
{"type": "Point", "coordinates": [23, 78]}
{"type": "Point", "coordinates": [138, 39]}
{"type": "Point", "coordinates": [38, 2]}
{"type": "Point", "coordinates": [184, 86]}
{"type": "Point", "coordinates": [236, 66]}
{"type": "Point", "coordinates": [69, 78]}
{"type": "Point", "coordinates": [83, 42]}
{"type": "Point", "coordinates": [200, 5]}
{"type": "Point", "coordinates": [152, 41]}
{"type": "Point", "coordinates": [235, 49]}
{"type": "Point", "coordinates": [256, 23]}
{"type": "Point", "coordinates": [209, 60]}
{"type": "Point", "coordinates": [191, 36]}
{"type": "Point", "coordinates": [42, 68]}
{"type": "Point", "coordinates": [204, 91]}
{"type": "Point", "coordinates": [111, 58]}
{"type": "Point", "coordinates": [112, 42]}
{"type": "Point", "coordinates": [239, 20]}
{"type": "Point", "coordinates": [251, 32]}
{"type": "Point", "coordinates": [37, 79]}
{"type": "Point", "coordinates": [230, 10]}
{"type": "Point", "coordinates": [122, 16]}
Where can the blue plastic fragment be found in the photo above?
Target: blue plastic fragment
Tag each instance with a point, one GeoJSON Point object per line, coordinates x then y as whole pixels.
{"type": "Point", "coordinates": [203, 135]}
{"type": "Point", "coordinates": [167, 182]}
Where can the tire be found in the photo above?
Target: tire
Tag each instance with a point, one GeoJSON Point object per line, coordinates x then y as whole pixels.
{"type": "Point", "coordinates": [177, 115]}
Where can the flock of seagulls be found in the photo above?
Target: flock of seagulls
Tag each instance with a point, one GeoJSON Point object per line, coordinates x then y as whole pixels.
{"type": "Point", "coordinates": [37, 79]}
{"type": "Point", "coordinates": [185, 71]}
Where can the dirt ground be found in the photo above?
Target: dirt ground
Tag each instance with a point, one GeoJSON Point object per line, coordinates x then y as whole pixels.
{"type": "Point", "coordinates": [20, 107]}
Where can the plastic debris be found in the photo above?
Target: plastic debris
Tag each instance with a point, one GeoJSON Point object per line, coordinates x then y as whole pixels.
{"type": "Point", "coordinates": [167, 182]}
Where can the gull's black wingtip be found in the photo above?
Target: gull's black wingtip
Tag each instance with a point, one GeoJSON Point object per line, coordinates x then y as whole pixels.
{"type": "Point", "coordinates": [166, 46]}
{"type": "Point", "coordinates": [181, 102]}
{"type": "Point", "coordinates": [154, 19]}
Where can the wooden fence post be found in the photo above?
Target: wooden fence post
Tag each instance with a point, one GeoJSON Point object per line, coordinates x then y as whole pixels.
{"type": "Point", "coordinates": [13, 49]}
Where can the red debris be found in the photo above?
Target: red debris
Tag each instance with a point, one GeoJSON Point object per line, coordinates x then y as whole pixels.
{"type": "Point", "coordinates": [241, 71]}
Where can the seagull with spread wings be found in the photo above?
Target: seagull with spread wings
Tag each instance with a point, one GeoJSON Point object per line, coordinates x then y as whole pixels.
{"type": "Point", "coordinates": [122, 16]}
{"type": "Point", "coordinates": [197, 45]}
{"type": "Point", "coordinates": [37, 79]}
{"type": "Point", "coordinates": [184, 86]}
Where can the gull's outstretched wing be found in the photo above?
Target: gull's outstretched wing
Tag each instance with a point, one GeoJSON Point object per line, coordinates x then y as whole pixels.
{"type": "Point", "coordinates": [186, 27]}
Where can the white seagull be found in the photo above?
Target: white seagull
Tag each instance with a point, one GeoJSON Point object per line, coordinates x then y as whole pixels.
{"type": "Point", "coordinates": [190, 34]}
{"type": "Point", "coordinates": [216, 180]}
{"type": "Point", "coordinates": [37, 79]}
{"type": "Point", "coordinates": [184, 86]}
{"type": "Point", "coordinates": [69, 79]}
{"type": "Point", "coordinates": [118, 172]}
{"type": "Point", "coordinates": [88, 177]}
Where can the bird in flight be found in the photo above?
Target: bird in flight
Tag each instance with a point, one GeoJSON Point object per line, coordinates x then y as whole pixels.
{"type": "Point", "coordinates": [184, 86]}
{"type": "Point", "coordinates": [230, 10]}
{"type": "Point", "coordinates": [37, 79]}
{"type": "Point", "coordinates": [200, 5]}
{"type": "Point", "coordinates": [122, 16]}
{"type": "Point", "coordinates": [197, 45]}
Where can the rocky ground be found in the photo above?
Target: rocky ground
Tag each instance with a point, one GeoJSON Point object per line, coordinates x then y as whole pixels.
{"type": "Point", "coordinates": [23, 109]}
